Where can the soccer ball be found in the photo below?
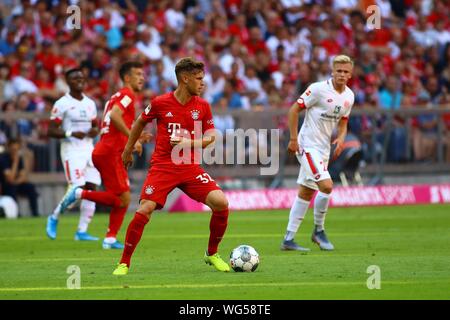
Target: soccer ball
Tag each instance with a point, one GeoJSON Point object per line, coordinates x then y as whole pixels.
{"type": "Point", "coordinates": [244, 259]}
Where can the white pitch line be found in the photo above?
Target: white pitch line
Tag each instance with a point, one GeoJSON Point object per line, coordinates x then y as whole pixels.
{"type": "Point", "coordinates": [221, 285]}
{"type": "Point", "coordinates": [201, 236]}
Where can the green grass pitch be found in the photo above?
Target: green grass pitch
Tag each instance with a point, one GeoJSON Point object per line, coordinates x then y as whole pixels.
{"type": "Point", "coordinates": [410, 245]}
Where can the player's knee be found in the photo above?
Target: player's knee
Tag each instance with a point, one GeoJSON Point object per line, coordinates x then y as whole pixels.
{"type": "Point", "coordinates": [219, 204]}
{"type": "Point", "coordinates": [306, 193]}
{"type": "Point", "coordinates": [326, 188]}
{"type": "Point", "coordinates": [125, 200]}
{"type": "Point", "coordinates": [146, 207]}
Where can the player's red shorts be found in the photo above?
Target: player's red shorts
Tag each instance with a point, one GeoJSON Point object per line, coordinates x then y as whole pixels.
{"type": "Point", "coordinates": [162, 179]}
{"type": "Point", "coordinates": [113, 173]}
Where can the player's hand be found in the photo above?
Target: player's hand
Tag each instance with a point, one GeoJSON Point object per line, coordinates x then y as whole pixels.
{"type": "Point", "coordinates": [92, 133]}
{"type": "Point", "coordinates": [145, 137]}
{"type": "Point", "coordinates": [338, 147]}
{"type": "Point", "coordinates": [181, 141]}
{"type": "Point", "coordinates": [175, 140]}
{"type": "Point", "coordinates": [138, 148]}
{"type": "Point", "coordinates": [78, 134]}
{"type": "Point", "coordinates": [127, 159]}
{"type": "Point", "coordinates": [293, 147]}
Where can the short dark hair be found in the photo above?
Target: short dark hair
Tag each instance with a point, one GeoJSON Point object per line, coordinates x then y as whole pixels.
{"type": "Point", "coordinates": [127, 66]}
{"type": "Point", "coordinates": [188, 65]}
{"type": "Point", "coordinates": [73, 70]}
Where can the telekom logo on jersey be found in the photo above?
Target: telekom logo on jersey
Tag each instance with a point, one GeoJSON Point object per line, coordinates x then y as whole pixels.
{"type": "Point", "coordinates": [251, 146]}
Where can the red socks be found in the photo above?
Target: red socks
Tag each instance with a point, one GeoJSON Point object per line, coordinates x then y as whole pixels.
{"type": "Point", "coordinates": [217, 227]}
{"type": "Point", "coordinates": [115, 220]}
{"type": "Point", "coordinates": [134, 234]}
{"type": "Point", "coordinates": [102, 197]}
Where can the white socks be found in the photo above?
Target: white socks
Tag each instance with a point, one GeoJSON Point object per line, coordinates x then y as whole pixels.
{"type": "Point", "coordinates": [55, 214]}
{"type": "Point", "coordinates": [78, 193]}
{"type": "Point", "coordinates": [320, 209]}
{"type": "Point", "coordinates": [110, 240]}
{"type": "Point", "coordinates": [87, 209]}
{"type": "Point", "coordinates": [298, 211]}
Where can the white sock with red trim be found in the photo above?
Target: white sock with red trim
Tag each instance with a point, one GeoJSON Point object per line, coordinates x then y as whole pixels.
{"type": "Point", "coordinates": [320, 209]}
{"type": "Point", "coordinates": [298, 211]}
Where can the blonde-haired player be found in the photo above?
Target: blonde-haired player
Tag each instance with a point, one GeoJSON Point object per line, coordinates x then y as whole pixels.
{"type": "Point", "coordinates": [328, 105]}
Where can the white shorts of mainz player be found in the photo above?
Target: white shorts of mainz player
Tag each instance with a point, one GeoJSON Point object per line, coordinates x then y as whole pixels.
{"type": "Point", "coordinates": [79, 169]}
{"type": "Point", "coordinates": [313, 168]}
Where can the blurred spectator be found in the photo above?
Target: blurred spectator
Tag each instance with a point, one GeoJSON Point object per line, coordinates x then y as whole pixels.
{"type": "Point", "coordinates": [390, 97]}
{"type": "Point", "coordinates": [424, 135]}
{"type": "Point", "coordinates": [222, 119]}
{"type": "Point", "coordinates": [6, 87]}
{"type": "Point", "coordinates": [175, 17]}
{"type": "Point", "coordinates": [148, 44]}
{"type": "Point", "coordinates": [14, 174]}
{"type": "Point", "coordinates": [268, 51]}
{"type": "Point", "coordinates": [214, 82]}
{"type": "Point", "coordinates": [8, 45]}
{"type": "Point", "coordinates": [231, 96]}
{"type": "Point", "coordinates": [253, 87]}
{"type": "Point", "coordinates": [23, 82]}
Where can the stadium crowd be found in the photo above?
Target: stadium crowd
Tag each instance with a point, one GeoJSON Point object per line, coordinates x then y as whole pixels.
{"type": "Point", "coordinates": [259, 54]}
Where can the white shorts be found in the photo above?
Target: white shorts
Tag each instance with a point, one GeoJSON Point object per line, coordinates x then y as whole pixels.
{"type": "Point", "coordinates": [79, 169]}
{"type": "Point", "coordinates": [313, 168]}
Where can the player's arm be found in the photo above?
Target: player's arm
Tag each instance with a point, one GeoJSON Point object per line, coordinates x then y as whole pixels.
{"type": "Point", "coordinates": [117, 120]}
{"type": "Point", "coordinates": [55, 131]}
{"type": "Point", "coordinates": [340, 138]}
{"type": "Point", "coordinates": [293, 115]}
{"type": "Point", "coordinates": [207, 138]}
{"type": "Point", "coordinates": [133, 142]}
{"type": "Point", "coordinates": [94, 130]}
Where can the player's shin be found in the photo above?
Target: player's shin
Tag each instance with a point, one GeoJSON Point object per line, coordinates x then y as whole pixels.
{"type": "Point", "coordinates": [115, 221]}
{"type": "Point", "coordinates": [134, 234]}
{"type": "Point", "coordinates": [296, 215]}
{"type": "Point", "coordinates": [87, 209]}
{"type": "Point", "coordinates": [217, 226]}
{"type": "Point", "coordinates": [320, 209]}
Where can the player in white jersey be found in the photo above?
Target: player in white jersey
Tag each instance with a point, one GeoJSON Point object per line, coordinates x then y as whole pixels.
{"type": "Point", "coordinates": [328, 105]}
{"type": "Point", "coordinates": [74, 120]}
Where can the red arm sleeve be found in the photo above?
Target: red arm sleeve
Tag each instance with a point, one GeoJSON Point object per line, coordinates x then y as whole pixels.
{"type": "Point", "coordinates": [149, 112]}
{"type": "Point", "coordinates": [207, 121]}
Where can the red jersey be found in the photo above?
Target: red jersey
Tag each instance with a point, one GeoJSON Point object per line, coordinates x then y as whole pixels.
{"type": "Point", "coordinates": [173, 118]}
{"type": "Point", "coordinates": [111, 139]}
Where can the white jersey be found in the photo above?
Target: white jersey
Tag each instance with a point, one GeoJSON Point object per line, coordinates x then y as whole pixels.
{"type": "Point", "coordinates": [75, 115]}
{"type": "Point", "coordinates": [325, 107]}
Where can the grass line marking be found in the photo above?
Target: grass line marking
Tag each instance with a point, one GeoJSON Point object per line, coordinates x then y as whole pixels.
{"type": "Point", "coordinates": [232, 236]}
{"type": "Point", "coordinates": [222, 285]}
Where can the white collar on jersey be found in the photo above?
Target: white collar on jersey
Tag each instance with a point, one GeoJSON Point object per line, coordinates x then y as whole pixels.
{"type": "Point", "coordinates": [330, 84]}
{"type": "Point", "coordinates": [71, 97]}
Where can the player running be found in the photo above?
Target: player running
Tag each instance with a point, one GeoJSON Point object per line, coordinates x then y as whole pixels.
{"type": "Point", "coordinates": [328, 105]}
{"type": "Point", "coordinates": [74, 119]}
{"type": "Point", "coordinates": [118, 118]}
{"type": "Point", "coordinates": [177, 114]}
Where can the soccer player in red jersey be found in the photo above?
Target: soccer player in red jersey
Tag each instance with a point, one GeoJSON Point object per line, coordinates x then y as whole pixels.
{"type": "Point", "coordinates": [178, 114]}
{"type": "Point", "coordinates": [118, 118]}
